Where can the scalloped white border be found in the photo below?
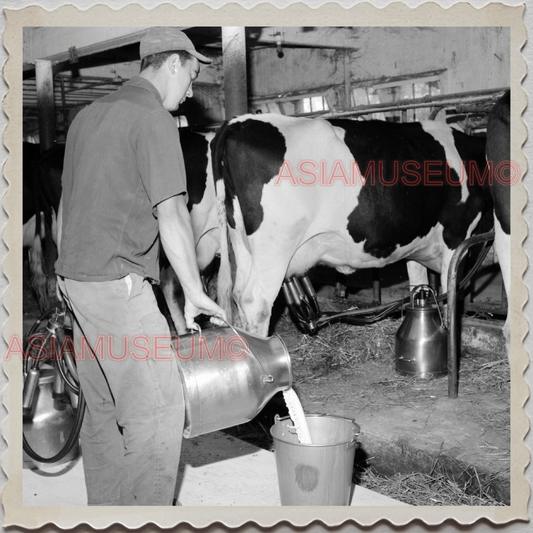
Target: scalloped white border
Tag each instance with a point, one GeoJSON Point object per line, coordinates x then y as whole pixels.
{"type": "Point", "coordinates": [92, 14]}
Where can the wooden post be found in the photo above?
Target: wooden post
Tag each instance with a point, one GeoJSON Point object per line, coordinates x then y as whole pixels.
{"type": "Point", "coordinates": [347, 80]}
{"type": "Point", "coordinates": [235, 80]}
{"type": "Point", "coordinates": [64, 105]}
{"type": "Point", "coordinates": [45, 103]}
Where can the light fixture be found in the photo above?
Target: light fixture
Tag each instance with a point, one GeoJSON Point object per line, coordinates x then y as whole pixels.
{"type": "Point", "coordinates": [278, 36]}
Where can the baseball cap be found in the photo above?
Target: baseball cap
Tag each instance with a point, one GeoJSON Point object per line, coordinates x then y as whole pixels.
{"type": "Point", "coordinates": [163, 39]}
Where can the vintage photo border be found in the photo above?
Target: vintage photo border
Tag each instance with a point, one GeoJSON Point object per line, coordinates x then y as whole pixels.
{"type": "Point", "coordinates": [397, 14]}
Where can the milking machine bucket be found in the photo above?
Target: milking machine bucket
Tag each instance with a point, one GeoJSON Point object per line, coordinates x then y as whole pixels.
{"type": "Point", "coordinates": [422, 340]}
{"type": "Point", "coordinates": [49, 421]}
{"type": "Point", "coordinates": [228, 376]}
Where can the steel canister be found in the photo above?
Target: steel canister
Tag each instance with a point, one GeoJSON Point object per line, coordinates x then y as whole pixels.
{"type": "Point", "coordinates": [422, 340]}
{"type": "Point", "coordinates": [228, 376]}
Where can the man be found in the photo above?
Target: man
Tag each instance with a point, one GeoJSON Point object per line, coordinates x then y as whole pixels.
{"type": "Point", "coordinates": [124, 192]}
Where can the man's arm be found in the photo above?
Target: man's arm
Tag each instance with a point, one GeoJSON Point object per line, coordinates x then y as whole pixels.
{"type": "Point", "coordinates": [178, 242]}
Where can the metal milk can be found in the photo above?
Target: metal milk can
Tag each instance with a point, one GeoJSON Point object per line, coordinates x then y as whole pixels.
{"type": "Point", "coordinates": [228, 376]}
{"type": "Point", "coordinates": [421, 340]}
{"type": "Point", "coordinates": [49, 423]}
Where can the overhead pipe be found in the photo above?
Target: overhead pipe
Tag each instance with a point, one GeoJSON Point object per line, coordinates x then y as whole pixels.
{"type": "Point", "coordinates": [235, 78]}
{"type": "Point", "coordinates": [44, 78]}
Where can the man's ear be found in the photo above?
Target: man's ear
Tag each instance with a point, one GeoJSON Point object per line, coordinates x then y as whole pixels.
{"type": "Point", "coordinates": [173, 63]}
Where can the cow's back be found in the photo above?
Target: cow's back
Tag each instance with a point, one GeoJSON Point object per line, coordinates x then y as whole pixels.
{"type": "Point", "coordinates": [424, 176]}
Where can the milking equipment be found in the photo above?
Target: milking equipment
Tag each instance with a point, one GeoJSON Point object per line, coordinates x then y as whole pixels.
{"type": "Point", "coordinates": [303, 303]}
{"type": "Point", "coordinates": [422, 338]}
{"type": "Point", "coordinates": [52, 402]}
{"type": "Point", "coordinates": [228, 376]}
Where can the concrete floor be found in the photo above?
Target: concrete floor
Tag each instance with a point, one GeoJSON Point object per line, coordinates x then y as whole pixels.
{"type": "Point", "coordinates": [215, 469]}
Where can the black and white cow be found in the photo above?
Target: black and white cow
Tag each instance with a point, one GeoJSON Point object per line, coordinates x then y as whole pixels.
{"type": "Point", "coordinates": [499, 157]}
{"type": "Point", "coordinates": [344, 193]}
{"type": "Point", "coordinates": [46, 192]}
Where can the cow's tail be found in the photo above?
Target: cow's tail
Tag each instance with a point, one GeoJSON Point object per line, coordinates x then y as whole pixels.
{"type": "Point", "coordinates": [43, 253]}
{"type": "Point", "coordinates": [225, 277]}
{"type": "Point", "coordinates": [38, 279]}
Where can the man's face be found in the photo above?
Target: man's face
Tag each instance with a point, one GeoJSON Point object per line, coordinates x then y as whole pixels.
{"type": "Point", "coordinates": [180, 82]}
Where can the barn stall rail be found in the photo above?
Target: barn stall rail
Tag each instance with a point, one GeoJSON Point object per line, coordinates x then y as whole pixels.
{"type": "Point", "coordinates": [471, 102]}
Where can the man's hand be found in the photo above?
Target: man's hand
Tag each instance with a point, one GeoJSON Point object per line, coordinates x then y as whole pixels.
{"type": "Point", "coordinates": [203, 305]}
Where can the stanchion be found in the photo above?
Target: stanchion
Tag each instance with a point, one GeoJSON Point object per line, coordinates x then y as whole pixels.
{"type": "Point", "coordinates": [462, 249]}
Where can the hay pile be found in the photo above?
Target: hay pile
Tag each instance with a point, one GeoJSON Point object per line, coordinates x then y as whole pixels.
{"type": "Point", "coordinates": [424, 489]}
{"type": "Point", "coordinates": [343, 346]}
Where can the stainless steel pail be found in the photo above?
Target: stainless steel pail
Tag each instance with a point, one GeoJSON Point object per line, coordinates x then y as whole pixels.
{"type": "Point", "coordinates": [318, 473]}
{"type": "Point", "coordinates": [422, 340]}
{"type": "Point", "coordinates": [50, 422]}
{"type": "Point", "coordinates": [228, 376]}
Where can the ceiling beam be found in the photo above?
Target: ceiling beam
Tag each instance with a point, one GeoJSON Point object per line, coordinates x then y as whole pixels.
{"type": "Point", "coordinates": [54, 43]}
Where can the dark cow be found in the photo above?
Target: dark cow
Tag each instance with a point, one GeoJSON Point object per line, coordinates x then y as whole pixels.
{"type": "Point", "coordinates": [499, 153]}
{"type": "Point", "coordinates": [41, 194]}
{"type": "Point", "coordinates": [348, 194]}
{"type": "Point", "coordinates": [204, 219]}
{"type": "Point", "coordinates": [201, 204]}
{"type": "Point", "coordinates": [31, 154]}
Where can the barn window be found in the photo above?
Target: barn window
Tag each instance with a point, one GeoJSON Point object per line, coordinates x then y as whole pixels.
{"type": "Point", "coordinates": [397, 91]}
{"type": "Point", "coordinates": [314, 103]}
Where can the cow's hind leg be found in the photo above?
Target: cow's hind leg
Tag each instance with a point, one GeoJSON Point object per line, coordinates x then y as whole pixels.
{"type": "Point", "coordinates": [418, 274]}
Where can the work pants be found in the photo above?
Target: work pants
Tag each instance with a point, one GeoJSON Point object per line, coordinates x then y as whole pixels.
{"type": "Point", "coordinates": [133, 425]}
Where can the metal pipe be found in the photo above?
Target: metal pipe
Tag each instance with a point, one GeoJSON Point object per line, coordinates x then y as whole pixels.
{"type": "Point", "coordinates": [45, 103]}
{"type": "Point", "coordinates": [472, 97]}
{"type": "Point", "coordinates": [460, 252]}
{"type": "Point", "coordinates": [235, 79]}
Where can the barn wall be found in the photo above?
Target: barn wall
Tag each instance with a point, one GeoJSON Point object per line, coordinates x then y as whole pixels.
{"type": "Point", "coordinates": [299, 69]}
{"type": "Point", "coordinates": [474, 58]}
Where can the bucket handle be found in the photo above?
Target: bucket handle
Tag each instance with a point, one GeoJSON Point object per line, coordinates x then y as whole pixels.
{"type": "Point", "coordinates": [356, 426]}
{"type": "Point", "coordinates": [416, 290]}
{"type": "Point", "coordinates": [266, 377]}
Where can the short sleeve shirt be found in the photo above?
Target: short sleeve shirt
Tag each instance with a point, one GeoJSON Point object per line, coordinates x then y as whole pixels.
{"type": "Point", "coordinates": [122, 158]}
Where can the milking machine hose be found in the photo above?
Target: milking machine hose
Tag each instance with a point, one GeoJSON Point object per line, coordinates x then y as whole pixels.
{"type": "Point", "coordinates": [71, 441]}
{"type": "Point", "coordinates": [359, 317]}
{"type": "Point", "coordinates": [80, 410]}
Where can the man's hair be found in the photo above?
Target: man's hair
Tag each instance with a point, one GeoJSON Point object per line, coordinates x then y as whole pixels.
{"type": "Point", "coordinates": [156, 60]}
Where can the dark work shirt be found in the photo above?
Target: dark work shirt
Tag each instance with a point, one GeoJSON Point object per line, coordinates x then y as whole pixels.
{"type": "Point", "coordinates": [122, 158]}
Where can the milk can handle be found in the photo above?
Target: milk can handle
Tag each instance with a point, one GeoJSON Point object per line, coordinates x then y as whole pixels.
{"type": "Point", "coordinates": [267, 378]}
{"type": "Point", "coordinates": [420, 287]}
